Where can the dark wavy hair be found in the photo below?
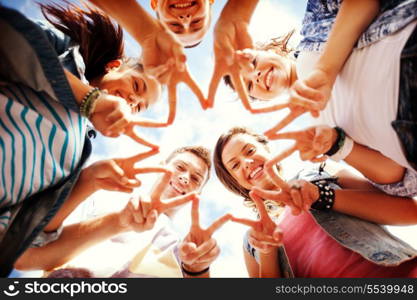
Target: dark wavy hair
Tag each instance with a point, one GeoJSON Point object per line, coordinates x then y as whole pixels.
{"type": "Point", "coordinates": [100, 40]}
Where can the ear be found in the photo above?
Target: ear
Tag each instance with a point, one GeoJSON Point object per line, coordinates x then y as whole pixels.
{"type": "Point", "coordinates": [116, 63]}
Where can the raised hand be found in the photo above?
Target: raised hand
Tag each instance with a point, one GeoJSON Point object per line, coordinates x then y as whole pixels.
{"type": "Point", "coordinates": [264, 234]}
{"type": "Point", "coordinates": [311, 142]}
{"type": "Point", "coordinates": [310, 94]}
{"type": "Point", "coordinates": [198, 250]}
{"type": "Point", "coordinates": [118, 174]}
{"type": "Point", "coordinates": [155, 201]}
{"type": "Point", "coordinates": [230, 34]}
{"type": "Point", "coordinates": [137, 216]}
{"type": "Point", "coordinates": [111, 115]}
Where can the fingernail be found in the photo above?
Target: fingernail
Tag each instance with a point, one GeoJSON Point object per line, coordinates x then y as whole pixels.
{"type": "Point", "coordinates": [125, 180]}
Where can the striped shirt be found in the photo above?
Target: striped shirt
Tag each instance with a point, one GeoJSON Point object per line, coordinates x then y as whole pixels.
{"type": "Point", "coordinates": [41, 142]}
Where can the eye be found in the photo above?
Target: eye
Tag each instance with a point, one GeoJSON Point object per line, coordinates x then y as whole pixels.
{"type": "Point", "coordinates": [136, 86]}
{"type": "Point", "coordinates": [176, 25]}
{"type": "Point", "coordinates": [196, 21]}
{"type": "Point", "coordinates": [180, 168]}
{"type": "Point", "coordinates": [251, 151]}
{"type": "Point", "coordinates": [235, 166]}
{"type": "Point", "coordinates": [195, 179]}
{"type": "Point", "coordinates": [250, 86]}
{"type": "Point", "coordinates": [255, 62]}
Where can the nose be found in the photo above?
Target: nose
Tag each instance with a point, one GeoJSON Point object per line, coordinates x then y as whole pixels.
{"type": "Point", "coordinates": [248, 162]}
{"type": "Point", "coordinates": [183, 178]}
{"type": "Point", "coordinates": [256, 76]}
{"type": "Point", "coordinates": [185, 19]}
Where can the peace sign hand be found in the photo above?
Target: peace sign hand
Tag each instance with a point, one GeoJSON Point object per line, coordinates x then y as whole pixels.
{"type": "Point", "coordinates": [230, 35]}
{"type": "Point", "coordinates": [164, 58]}
{"type": "Point", "coordinates": [155, 201]}
{"type": "Point", "coordinates": [312, 142]}
{"type": "Point", "coordinates": [264, 234]}
{"type": "Point", "coordinates": [310, 94]}
{"type": "Point", "coordinates": [198, 250]}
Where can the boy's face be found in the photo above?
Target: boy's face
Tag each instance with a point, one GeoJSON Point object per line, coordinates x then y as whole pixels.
{"type": "Point", "coordinates": [190, 172]}
{"type": "Point", "coordinates": [188, 19]}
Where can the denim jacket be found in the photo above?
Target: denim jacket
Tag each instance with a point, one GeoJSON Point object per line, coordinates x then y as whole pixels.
{"type": "Point", "coordinates": [370, 240]}
{"type": "Point", "coordinates": [320, 16]}
{"type": "Point", "coordinates": [28, 54]}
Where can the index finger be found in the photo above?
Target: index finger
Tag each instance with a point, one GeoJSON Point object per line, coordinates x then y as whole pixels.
{"type": "Point", "coordinates": [178, 201]}
{"type": "Point", "coordinates": [189, 80]}
{"type": "Point", "coordinates": [195, 214]}
{"type": "Point", "coordinates": [218, 223]}
{"type": "Point", "coordinates": [218, 72]}
{"type": "Point", "coordinates": [138, 157]}
{"type": "Point", "coordinates": [292, 115]}
{"type": "Point", "coordinates": [263, 214]}
{"type": "Point", "coordinates": [132, 134]}
{"type": "Point", "coordinates": [240, 87]}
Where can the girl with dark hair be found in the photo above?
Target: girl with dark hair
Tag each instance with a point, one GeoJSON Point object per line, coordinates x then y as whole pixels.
{"type": "Point", "coordinates": [329, 240]}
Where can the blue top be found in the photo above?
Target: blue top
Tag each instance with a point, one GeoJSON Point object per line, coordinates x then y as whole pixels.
{"type": "Point", "coordinates": [320, 16]}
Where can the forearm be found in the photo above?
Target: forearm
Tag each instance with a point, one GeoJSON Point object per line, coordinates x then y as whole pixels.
{"type": "Point", "coordinates": [81, 191]}
{"type": "Point", "coordinates": [74, 239]}
{"type": "Point", "coordinates": [353, 18]}
{"type": "Point", "coordinates": [79, 88]}
{"type": "Point", "coordinates": [376, 207]}
{"type": "Point", "coordinates": [374, 165]}
{"type": "Point", "coordinates": [130, 15]}
{"type": "Point", "coordinates": [243, 9]}
{"type": "Point", "coordinates": [268, 264]}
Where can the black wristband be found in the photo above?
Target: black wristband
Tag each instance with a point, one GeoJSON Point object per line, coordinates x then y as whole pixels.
{"type": "Point", "coordinates": [326, 196]}
{"type": "Point", "coordinates": [194, 273]}
{"type": "Point", "coordinates": [340, 140]}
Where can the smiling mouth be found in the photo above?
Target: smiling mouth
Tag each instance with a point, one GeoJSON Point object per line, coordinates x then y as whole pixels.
{"type": "Point", "coordinates": [176, 188]}
{"type": "Point", "coordinates": [183, 5]}
{"type": "Point", "coordinates": [256, 173]}
{"type": "Point", "coordinates": [269, 79]}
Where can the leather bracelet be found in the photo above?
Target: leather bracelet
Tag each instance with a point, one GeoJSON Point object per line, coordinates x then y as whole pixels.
{"type": "Point", "coordinates": [326, 195]}
{"type": "Point", "coordinates": [194, 273]}
{"type": "Point", "coordinates": [340, 140]}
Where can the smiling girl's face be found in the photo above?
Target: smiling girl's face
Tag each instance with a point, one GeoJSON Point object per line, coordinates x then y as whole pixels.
{"type": "Point", "coordinates": [138, 89]}
{"type": "Point", "coordinates": [244, 158]}
{"type": "Point", "coordinates": [265, 73]}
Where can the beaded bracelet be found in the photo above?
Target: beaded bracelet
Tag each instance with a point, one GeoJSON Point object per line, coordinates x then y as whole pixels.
{"type": "Point", "coordinates": [194, 273]}
{"type": "Point", "coordinates": [326, 195]}
{"type": "Point", "coordinates": [340, 140]}
{"type": "Point", "coordinates": [88, 102]}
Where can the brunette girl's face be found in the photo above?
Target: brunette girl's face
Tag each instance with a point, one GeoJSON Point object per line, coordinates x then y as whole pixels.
{"type": "Point", "coordinates": [265, 73]}
{"type": "Point", "coordinates": [138, 89]}
{"type": "Point", "coordinates": [188, 19]}
{"type": "Point", "coordinates": [245, 158]}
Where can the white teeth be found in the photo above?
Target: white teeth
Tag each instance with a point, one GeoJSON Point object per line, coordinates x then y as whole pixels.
{"type": "Point", "coordinates": [183, 5]}
{"type": "Point", "coordinates": [177, 189]}
{"type": "Point", "coordinates": [255, 172]}
{"type": "Point", "coordinates": [268, 80]}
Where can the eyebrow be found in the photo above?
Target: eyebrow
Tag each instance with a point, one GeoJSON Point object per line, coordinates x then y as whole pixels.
{"type": "Point", "coordinates": [196, 172]}
{"type": "Point", "coordinates": [242, 150]}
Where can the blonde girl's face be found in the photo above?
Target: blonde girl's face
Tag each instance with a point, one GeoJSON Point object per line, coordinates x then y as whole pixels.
{"type": "Point", "coordinates": [244, 158]}
{"type": "Point", "coordinates": [265, 73]}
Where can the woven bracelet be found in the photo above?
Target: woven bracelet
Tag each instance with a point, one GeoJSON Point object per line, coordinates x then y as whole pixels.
{"type": "Point", "coordinates": [87, 104]}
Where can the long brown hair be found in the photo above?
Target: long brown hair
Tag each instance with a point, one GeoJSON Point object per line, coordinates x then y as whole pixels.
{"type": "Point", "coordinates": [228, 180]}
{"type": "Point", "coordinates": [100, 40]}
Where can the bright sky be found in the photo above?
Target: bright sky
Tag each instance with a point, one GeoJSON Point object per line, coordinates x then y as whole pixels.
{"type": "Point", "coordinates": [193, 126]}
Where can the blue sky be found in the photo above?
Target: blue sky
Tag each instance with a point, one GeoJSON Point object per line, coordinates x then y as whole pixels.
{"type": "Point", "coordinates": [196, 127]}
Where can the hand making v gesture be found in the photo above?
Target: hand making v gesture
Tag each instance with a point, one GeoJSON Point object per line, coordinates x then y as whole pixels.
{"type": "Point", "coordinates": [198, 250]}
